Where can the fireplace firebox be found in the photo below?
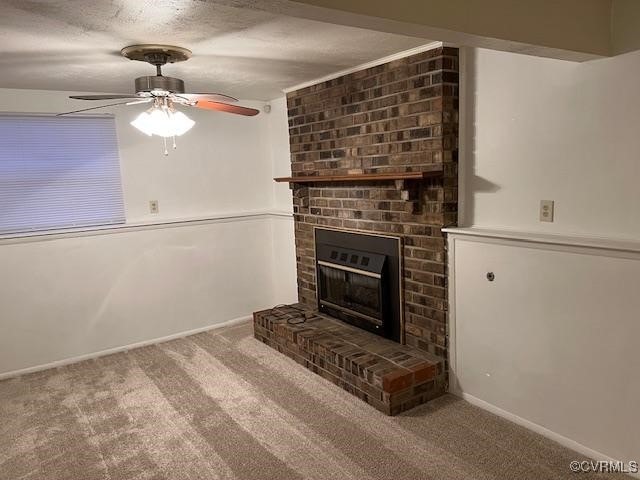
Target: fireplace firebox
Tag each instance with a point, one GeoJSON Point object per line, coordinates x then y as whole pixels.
{"type": "Point", "coordinates": [358, 280]}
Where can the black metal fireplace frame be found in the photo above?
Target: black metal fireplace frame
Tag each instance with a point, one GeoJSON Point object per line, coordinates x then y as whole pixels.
{"type": "Point", "coordinates": [385, 245]}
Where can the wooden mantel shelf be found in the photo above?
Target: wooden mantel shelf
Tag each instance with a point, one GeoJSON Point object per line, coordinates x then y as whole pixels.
{"type": "Point", "coordinates": [362, 177]}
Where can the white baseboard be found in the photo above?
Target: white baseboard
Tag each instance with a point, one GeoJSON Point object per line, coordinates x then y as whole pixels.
{"type": "Point", "coordinates": [124, 348]}
{"type": "Point", "coordinates": [545, 432]}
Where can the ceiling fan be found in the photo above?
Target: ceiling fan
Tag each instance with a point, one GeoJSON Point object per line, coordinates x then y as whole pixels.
{"type": "Point", "coordinates": [164, 93]}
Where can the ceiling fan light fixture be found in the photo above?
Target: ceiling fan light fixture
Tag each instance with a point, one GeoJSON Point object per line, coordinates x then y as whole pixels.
{"type": "Point", "coordinates": [162, 119]}
{"type": "Point", "coordinates": [163, 122]}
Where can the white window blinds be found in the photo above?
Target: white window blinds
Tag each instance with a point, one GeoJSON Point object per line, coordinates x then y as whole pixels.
{"type": "Point", "coordinates": [58, 172]}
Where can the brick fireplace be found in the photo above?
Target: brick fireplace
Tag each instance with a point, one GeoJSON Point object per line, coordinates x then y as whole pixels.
{"type": "Point", "coordinates": [375, 152]}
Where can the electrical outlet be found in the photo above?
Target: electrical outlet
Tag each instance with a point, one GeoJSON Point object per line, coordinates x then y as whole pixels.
{"type": "Point", "coordinates": [153, 206]}
{"type": "Point", "coordinates": [546, 210]}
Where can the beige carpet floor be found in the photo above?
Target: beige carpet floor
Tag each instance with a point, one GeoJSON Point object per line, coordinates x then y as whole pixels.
{"type": "Point", "coordinates": [221, 405]}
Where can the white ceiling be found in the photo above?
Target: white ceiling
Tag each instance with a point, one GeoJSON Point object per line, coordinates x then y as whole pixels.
{"type": "Point", "coordinates": [242, 51]}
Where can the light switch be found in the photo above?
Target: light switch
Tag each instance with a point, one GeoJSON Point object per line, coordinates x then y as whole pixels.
{"type": "Point", "coordinates": [546, 210]}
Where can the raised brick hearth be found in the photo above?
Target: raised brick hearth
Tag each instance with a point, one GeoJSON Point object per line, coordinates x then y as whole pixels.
{"type": "Point", "coordinates": [389, 376]}
{"type": "Point", "coordinates": [397, 118]}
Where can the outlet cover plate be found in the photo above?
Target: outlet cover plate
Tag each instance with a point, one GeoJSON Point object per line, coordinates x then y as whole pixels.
{"type": "Point", "coordinates": [546, 210]}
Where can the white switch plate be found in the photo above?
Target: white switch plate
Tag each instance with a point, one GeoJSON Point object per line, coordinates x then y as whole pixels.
{"type": "Point", "coordinates": [153, 206]}
{"type": "Point", "coordinates": [546, 210]}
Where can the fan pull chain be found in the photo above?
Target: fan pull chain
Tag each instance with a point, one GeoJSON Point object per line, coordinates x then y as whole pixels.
{"type": "Point", "coordinates": [174, 142]}
{"type": "Point", "coordinates": [166, 152]}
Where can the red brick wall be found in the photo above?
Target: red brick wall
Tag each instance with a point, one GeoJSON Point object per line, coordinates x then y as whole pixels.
{"type": "Point", "coordinates": [398, 117]}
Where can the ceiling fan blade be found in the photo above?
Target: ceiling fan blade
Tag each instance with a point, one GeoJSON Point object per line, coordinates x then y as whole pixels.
{"type": "Point", "coordinates": [212, 97]}
{"type": "Point", "coordinates": [91, 108]}
{"type": "Point", "coordinates": [136, 102]}
{"type": "Point", "coordinates": [225, 107]}
{"type": "Point", "coordinates": [101, 97]}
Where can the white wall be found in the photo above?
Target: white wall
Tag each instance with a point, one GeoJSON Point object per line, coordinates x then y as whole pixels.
{"type": "Point", "coordinates": [74, 296]}
{"type": "Point", "coordinates": [553, 340]}
{"type": "Point", "coordinates": [278, 126]}
{"type": "Point", "coordinates": [199, 178]}
{"type": "Point", "coordinates": [553, 130]}
{"type": "Point", "coordinates": [284, 266]}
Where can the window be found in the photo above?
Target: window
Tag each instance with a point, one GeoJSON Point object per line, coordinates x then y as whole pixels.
{"type": "Point", "coordinates": [58, 172]}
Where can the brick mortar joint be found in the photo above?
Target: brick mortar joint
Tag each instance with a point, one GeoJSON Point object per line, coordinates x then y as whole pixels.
{"type": "Point", "coordinates": [341, 339]}
{"type": "Point", "coordinates": [293, 354]}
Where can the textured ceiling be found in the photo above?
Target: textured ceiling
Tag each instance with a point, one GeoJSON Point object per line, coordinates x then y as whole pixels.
{"type": "Point", "coordinates": [243, 51]}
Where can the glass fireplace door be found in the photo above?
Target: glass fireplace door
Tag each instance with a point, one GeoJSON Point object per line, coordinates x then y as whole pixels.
{"type": "Point", "coordinates": [358, 280]}
{"type": "Point", "coordinates": [353, 292]}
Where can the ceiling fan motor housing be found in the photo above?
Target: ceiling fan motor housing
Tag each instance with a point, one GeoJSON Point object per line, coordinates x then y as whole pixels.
{"type": "Point", "coordinates": [157, 82]}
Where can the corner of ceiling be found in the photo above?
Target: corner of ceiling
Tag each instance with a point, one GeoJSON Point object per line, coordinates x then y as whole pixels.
{"type": "Point", "coordinates": [624, 21]}
{"type": "Point", "coordinates": [362, 66]}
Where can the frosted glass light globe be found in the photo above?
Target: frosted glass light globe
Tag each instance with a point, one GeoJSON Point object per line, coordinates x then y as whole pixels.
{"type": "Point", "coordinates": [163, 122]}
{"type": "Point", "coordinates": [180, 123]}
